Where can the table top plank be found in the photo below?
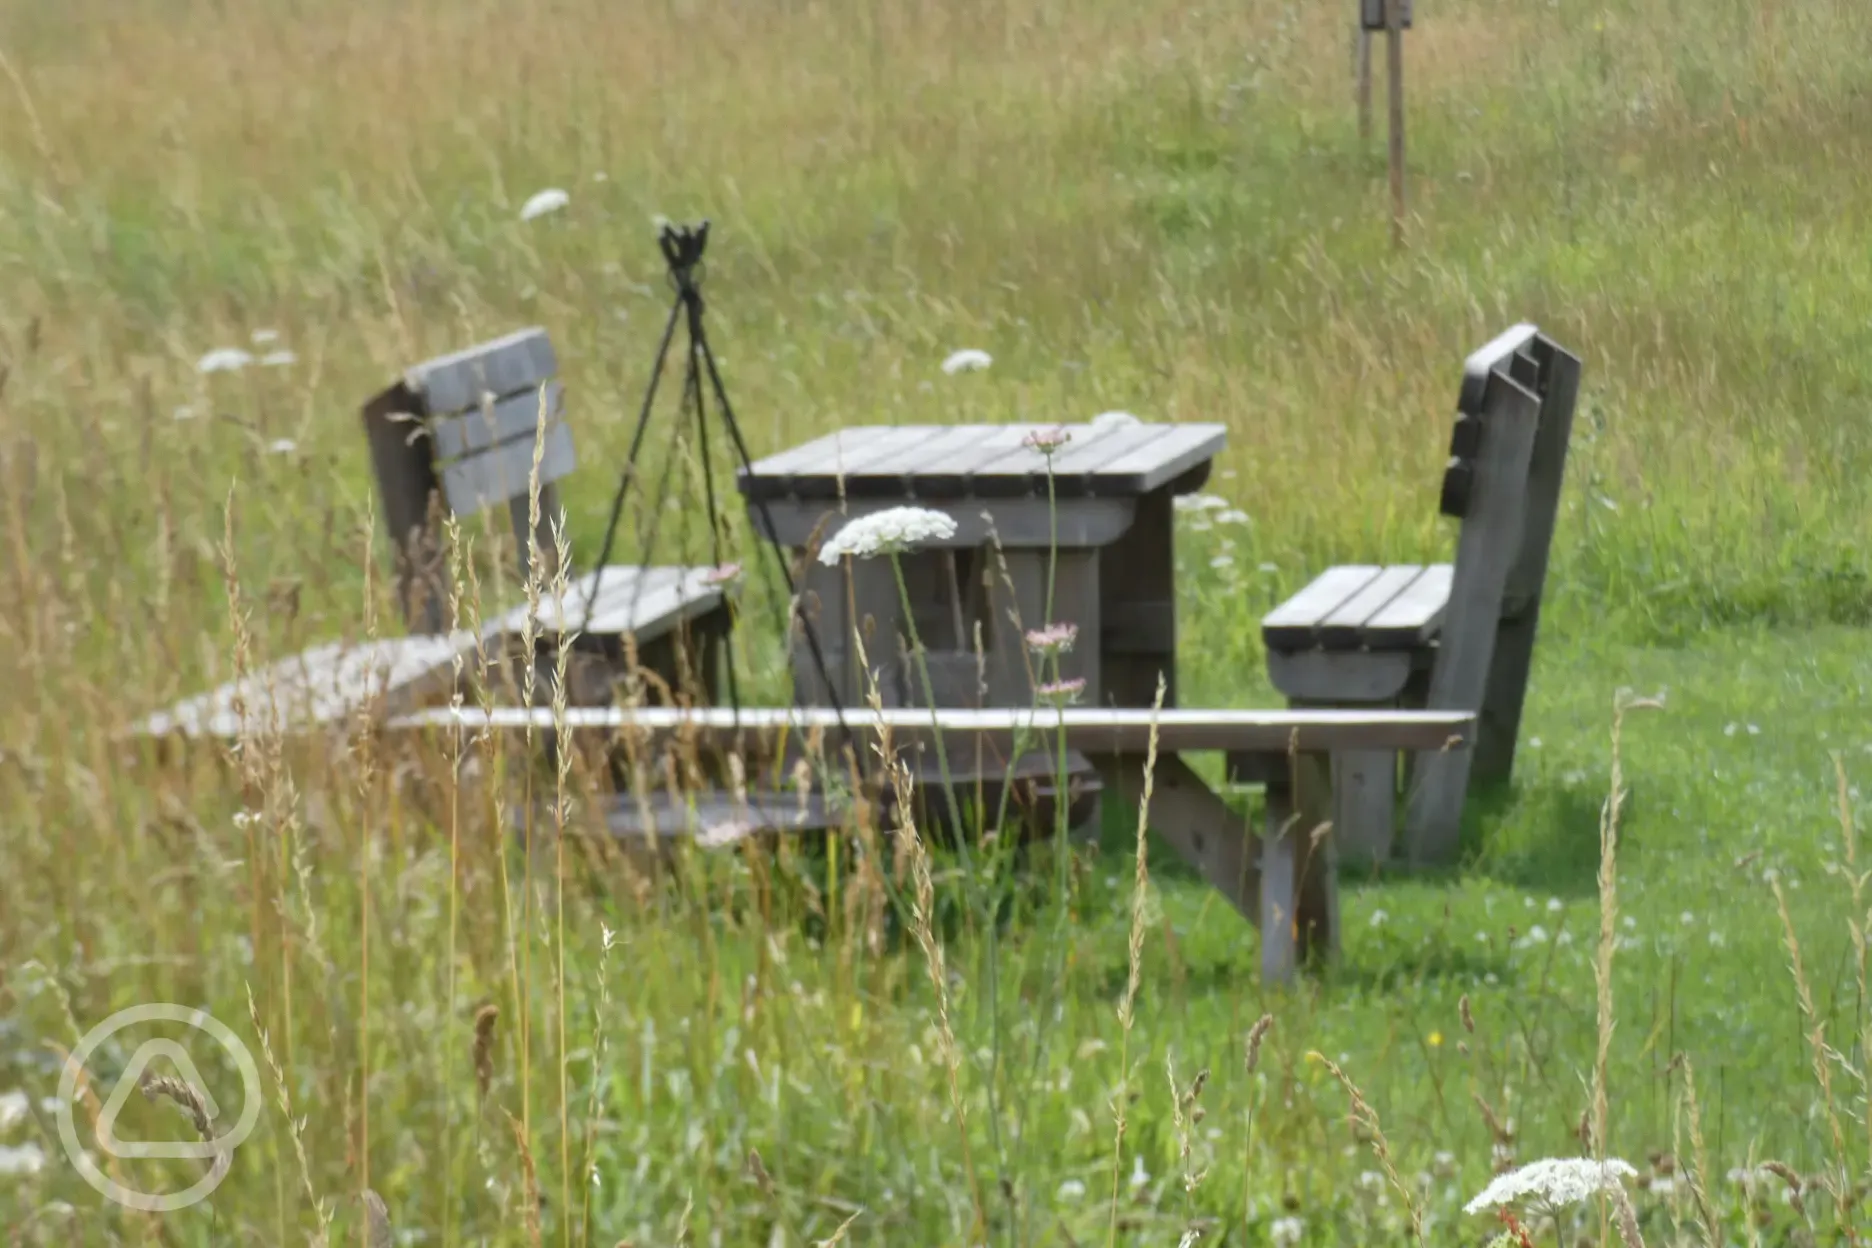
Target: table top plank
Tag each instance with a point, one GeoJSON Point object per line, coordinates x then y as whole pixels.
{"type": "Point", "coordinates": [1176, 450]}
{"type": "Point", "coordinates": [986, 461]}
{"type": "Point", "coordinates": [826, 454]}
{"type": "Point", "coordinates": [897, 474]}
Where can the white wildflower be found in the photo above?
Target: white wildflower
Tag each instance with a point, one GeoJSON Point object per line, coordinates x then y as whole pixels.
{"type": "Point", "coordinates": [967, 360]}
{"type": "Point", "coordinates": [1139, 1175]}
{"type": "Point", "coordinates": [1286, 1232]}
{"type": "Point", "coordinates": [224, 360]}
{"type": "Point", "coordinates": [891, 531]}
{"type": "Point", "coordinates": [1114, 420]}
{"type": "Point", "coordinates": [1233, 515]}
{"type": "Point", "coordinates": [1552, 1183]}
{"type": "Point", "coordinates": [283, 446]}
{"type": "Point", "coordinates": [1445, 1164]}
{"type": "Point", "coordinates": [182, 413]}
{"type": "Point", "coordinates": [1378, 918]}
{"type": "Point", "coordinates": [278, 359]}
{"type": "Point", "coordinates": [14, 1106]}
{"type": "Point", "coordinates": [1199, 502]}
{"type": "Point", "coordinates": [1554, 905]}
{"type": "Point", "coordinates": [263, 336]}
{"type": "Point", "coordinates": [1663, 1185]}
{"type": "Point", "coordinates": [1071, 1189]}
{"type": "Point", "coordinates": [552, 199]}
{"type": "Point", "coordinates": [28, 1159]}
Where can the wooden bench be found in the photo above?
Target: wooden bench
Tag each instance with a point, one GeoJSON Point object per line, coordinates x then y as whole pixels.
{"type": "Point", "coordinates": [458, 432]}
{"type": "Point", "coordinates": [1448, 636]}
{"type": "Point", "coordinates": [1283, 880]}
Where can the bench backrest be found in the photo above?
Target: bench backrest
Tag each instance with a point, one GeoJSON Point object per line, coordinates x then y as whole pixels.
{"type": "Point", "coordinates": [1507, 458]}
{"type": "Point", "coordinates": [459, 431]}
{"type": "Point", "coordinates": [1527, 498]}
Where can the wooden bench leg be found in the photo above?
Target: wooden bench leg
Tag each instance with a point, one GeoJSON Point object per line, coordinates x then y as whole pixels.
{"type": "Point", "coordinates": [1364, 813]}
{"type": "Point", "coordinates": [1198, 824]}
{"type": "Point", "coordinates": [1299, 901]}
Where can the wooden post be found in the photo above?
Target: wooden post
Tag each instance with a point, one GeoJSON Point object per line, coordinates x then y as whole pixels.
{"type": "Point", "coordinates": [1394, 72]}
{"type": "Point", "coordinates": [1364, 87]}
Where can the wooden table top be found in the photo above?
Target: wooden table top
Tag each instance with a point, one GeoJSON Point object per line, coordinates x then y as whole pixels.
{"type": "Point", "coordinates": [983, 461]}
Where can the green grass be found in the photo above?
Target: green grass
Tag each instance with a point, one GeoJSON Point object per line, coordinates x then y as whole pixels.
{"type": "Point", "coordinates": [1145, 206]}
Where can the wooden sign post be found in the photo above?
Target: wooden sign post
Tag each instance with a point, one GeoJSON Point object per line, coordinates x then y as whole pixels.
{"type": "Point", "coordinates": [1394, 18]}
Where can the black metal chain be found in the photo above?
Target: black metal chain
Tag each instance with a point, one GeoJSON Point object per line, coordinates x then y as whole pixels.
{"type": "Point", "coordinates": [682, 248]}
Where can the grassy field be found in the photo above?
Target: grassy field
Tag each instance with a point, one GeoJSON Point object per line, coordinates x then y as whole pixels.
{"type": "Point", "coordinates": [1156, 207]}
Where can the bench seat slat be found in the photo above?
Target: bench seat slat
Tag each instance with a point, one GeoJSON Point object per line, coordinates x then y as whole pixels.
{"type": "Point", "coordinates": [1343, 628]}
{"type": "Point", "coordinates": [1094, 731]}
{"type": "Point", "coordinates": [644, 602]}
{"type": "Point", "coordinates": [1294, 625]}
{"type": "Point", "coordinates": [1413, 617]}
{"type": "Point", "coordinates": [318, 686]}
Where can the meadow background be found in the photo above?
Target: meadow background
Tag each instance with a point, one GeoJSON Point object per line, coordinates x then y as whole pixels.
{"type": "Point", "coordinates": [1158, 207]}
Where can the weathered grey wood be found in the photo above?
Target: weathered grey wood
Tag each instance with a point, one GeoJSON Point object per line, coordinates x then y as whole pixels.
{"type": "Point", "coordinates": [1280, 887]}
{"type": "Point", "coordinates": [324, 685]}
{"type": "Point", "coordinates": [1294, 624]}
{"type": "Point", "coordinates": [1095, 731]}
{"type": "Point", "coordinates": [505, 472]}
{"type": "Point", "coordinates": [503, 366]}
{"type": "Point", "coordinates": [1340, 677]}
{"type": "Point", "coordinates": [898, 474]}
{"type": "Point", "coordinates": [986, 461]}
{"type": "Point", "coordinates": [1413, 617]}
{"type": "Point", "coordinates": [1513, 660]}
{"type": "Point", "coordinates": [402, 460]}
{"type": "Point", "coordinates": [829, 456]}
{"type": "Point", "coordinates": [1137, 573]}
{"type": "Point", "coordinates": [1163, 460]}
{"type": "Point", "coordinates": [1486, 549]}
{"type": "Point", "coordinates": [1013, 671]}
{"type": "Point", "coordinates": [1364, 804]}
{"type": "Point", "coordinates": [512, 417]}
{"type": "Point", "coordinates": [1014, 522]}
{"type": "Point", "coordinates": [1138, 627]}
{"type": "Point", "coordinates": [1491, 357]}
{"type": "Point", "coordinates": [716, 819]}
{"type": "Point", "coordinates": [1089, 450]}
{"type": "Point", "coordinates": [1199, 826]}
{"type": "Point", "coordinates": [1343, 628]}
{"type": "Point", "coordinates": [849, 473]}
{"type": "Point", "coordinates": [551, 515]}
{"type": "Point", "coordinates": [953, 476]}
{"type": "Point", "coordinates": [1318, 886]}
{"type": "Point", "coordinates": [641, 602]}
{"type": "Point", "coordinates": [1299, 869]}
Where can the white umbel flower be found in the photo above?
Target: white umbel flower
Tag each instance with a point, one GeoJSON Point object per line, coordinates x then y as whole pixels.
{"type": "Point", "coordinates": [888, 532]}
{"type": "Point", "coordinates": [967, 360]}
{"type": "Point", "coordinates": [1552, 1183]}
{"type": "Point", "coordinates": [1286, 1232]}
{"type": "Point", "coordinates": [552, 199]}
{"type": "Point", "coordinates": [224, 360]}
